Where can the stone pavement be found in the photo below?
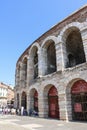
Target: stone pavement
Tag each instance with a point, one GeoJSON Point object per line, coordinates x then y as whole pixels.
{"type": "Point", "coordinates": [12, 122]}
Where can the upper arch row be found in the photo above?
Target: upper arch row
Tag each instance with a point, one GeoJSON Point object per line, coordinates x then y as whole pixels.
{"type": "Point", "coordinates": [61, 37]}
{"type": "Point", "coordinates": [71, 54]}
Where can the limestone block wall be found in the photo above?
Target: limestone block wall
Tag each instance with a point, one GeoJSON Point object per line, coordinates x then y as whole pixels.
{"type": "Point", "coordinates": [63, 78]}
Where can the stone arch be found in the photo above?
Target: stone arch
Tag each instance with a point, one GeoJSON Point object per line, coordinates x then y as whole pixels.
{"type": "Point", "coordinates": [72, 45]}
{"type": "Point", "coordinates": [50, 100]}
{"type": "Point", "coordinates": [25, 57]}
{"type": "Point", "coordinates": [48, 49]}
{"type": "Point", "coordinates": [53, 38]}
{"type": "Point", "coordinates": [32, 47]}
{"type": "Point", "coordinates": [34, 60]}
{"type": "Point", "coordinates": [68, 97]}
{"type": "Point", "coordinates": [33, 95]}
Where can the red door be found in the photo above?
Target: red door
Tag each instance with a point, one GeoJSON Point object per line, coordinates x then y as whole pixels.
{"type": "Point", "coordinates": [53, 103]}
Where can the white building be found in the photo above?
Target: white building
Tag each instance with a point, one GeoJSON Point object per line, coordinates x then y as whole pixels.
{"type": "Point", "coordinates": [6, 95]}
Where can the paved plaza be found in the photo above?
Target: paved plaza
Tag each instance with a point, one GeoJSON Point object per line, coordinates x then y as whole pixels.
{"type": "Point", "coordinates": [12, 122]}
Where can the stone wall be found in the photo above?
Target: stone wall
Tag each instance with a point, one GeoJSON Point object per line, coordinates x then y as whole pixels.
{"type": "Point", "coordinates": [63, 78]}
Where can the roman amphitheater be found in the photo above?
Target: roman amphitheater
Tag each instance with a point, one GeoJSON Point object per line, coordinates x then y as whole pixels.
{"type": "Point", "coordinates": [51, 74]}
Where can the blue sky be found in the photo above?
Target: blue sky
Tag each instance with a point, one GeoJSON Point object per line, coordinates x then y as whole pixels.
{"type": "Point", "coordinates": [22, 22]}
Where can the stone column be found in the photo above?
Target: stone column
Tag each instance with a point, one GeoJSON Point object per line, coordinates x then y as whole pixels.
{"type": "Point", "coordinates": [41, 105]}
{"type": "Point", "coordinates": [69, 107]}
{"type": "Point", "coordinates": [22, 76]}
{"type": "Point", "coordinates": [17, 78]}
{"type": "Point", "coordinates": [62, 106]}
{"type": "Point", "coordinates": [42, 61]}
{"type": "Point", "coordinates": [84, 39]}
{"type": "Point", "coordinates": [21, 71]}
{"type": "Point", "coordinates": [59, 57]}
{"type": "Point", "coordinates": [30, 71]}
{"type": "Point", "coordinates": [28, 102]}
{"type": "Point", "coordinates": [20, 100]}
{"type": "Point", "coordinates": [62, 101]}
{"type": "Point", "coordinates": [15, 98]}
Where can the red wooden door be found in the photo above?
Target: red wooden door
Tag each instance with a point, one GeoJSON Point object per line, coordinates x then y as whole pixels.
{"type": "Point", "coordinates": [53, 103]}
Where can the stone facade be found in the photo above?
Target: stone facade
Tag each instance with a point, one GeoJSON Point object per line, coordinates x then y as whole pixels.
{"type": "Point", "coordinates": [6, 95]}
{"type": "Point", "coordinates": [57, 58]}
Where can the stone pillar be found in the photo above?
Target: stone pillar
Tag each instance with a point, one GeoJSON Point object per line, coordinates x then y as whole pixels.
{"type": "Point", "coordinates": [62, 101]}
{"type": "Point", "coordinates": [62, 106]}
{"type": "Point", "coordinates": [63, 55]}
{"type": "Point", "coordinates": [30, 71]}
{"type": "Point", "coordinates": [84, 39]}
{"type": "Point", "coordinates": [20, 100]}
{"type": "Point", "coordinates": [17, 78]}
{"type": "Point", "coordinates": [21, 71]}
{"type": "Point", "coordinates": [28, 103]}
{"type": "Point", "coordinates": [42, 61]}
{"type": "Point", "coordinates": [27, 80]}
{"type": "Point", "coordinates": [41, 105]}
{"type": "Point", "coordinates": [15, 98]}
{"type": "Point", "coordinates": [69, 107]}
{"type": "Point", "coordinates": [59, 56]}
{"type": "Point", "coordinates": [22, 76]}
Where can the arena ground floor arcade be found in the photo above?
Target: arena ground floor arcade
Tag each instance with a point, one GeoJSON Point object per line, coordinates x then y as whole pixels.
{"type": "Point", "coordinates": [53, 101]}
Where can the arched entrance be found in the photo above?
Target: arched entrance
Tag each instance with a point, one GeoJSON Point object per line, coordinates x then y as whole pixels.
{"type": "Point", "coordinates": [17, 100]}
{"type": "Point", "coordinates": [79, 100]}
{"type": "Point", "coordinates": [36, 101]}
{"type": "Point", "coordinates": [24, 100]}
{"type": "Point", "coordinates": [49, 57]}
{"type": "Point", "coordinates": [53, 103]}
{"type": "Point", "coordinates": [73, 46]}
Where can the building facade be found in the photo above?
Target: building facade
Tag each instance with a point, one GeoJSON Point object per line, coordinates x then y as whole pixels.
{"type": "Point", "coordinates": [6, 96]}
{"type": "Point", "coordinates": [51, 74]}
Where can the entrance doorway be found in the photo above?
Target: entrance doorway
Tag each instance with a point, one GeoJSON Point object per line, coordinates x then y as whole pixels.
{"type": "Point", "coordinates": [24, 100]}
{"type": "Point", "coordinates": [79, 100]}
{"type": "Point", "coordinates": [36, 101]}
{"type": "Point", "coordinates": [53, 103]}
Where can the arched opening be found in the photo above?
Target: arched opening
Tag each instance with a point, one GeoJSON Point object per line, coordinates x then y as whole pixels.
{"type": "Point", "coordinates": [25, 69]}
{"type": "Point", "coordinates": [51, 58]}
{"type": "Point", "coordinates": [79, 100]}
{"type": "Point", "coordinates": [74, 48]}
{"type": "Point", "coordinates": [36, 101]}
{"type": "Point", "coordinates": [71, 60]}
{"type": "Point", "coordinates": [53, 103]}
{"type": "Point", "coordinates": [49, 54]}
{"type": "Point", "coordinates": [17, 100]}
{"type": "Point", "coordinates": [35, 60]}
{"type": "Point", "coordinates": [24, 100]}
{"type": "Point", "coordinates": [18, 76]}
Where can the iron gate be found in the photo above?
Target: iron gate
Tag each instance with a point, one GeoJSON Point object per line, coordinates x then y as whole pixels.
{"type": "Point", "coordinates": [79, 106]}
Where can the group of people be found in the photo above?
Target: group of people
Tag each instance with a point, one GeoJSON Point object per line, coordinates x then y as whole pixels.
{"type": "Point", "coordinates": [22, 111]}
{"type": "Point", "coordinates": [6, 110]}
{"type": "Point", "coordinates": [33, 112]}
